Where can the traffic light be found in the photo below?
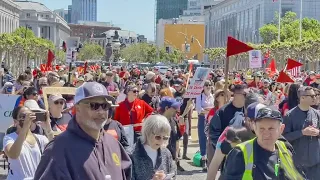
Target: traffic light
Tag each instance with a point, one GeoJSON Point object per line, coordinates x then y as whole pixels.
{"type": "Point", "coordinates": [192, 39]}
{"type": "Point", "coordinates": [167, 49]}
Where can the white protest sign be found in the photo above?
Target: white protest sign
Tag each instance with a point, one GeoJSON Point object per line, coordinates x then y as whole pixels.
{"type": "Point", "coordinates": [197, 82]}
{"type": "Point", "coordinates": [255, 59]}
{"type": "Point", "coordinates": [7, 104]}
{"type": "Point", "coordinates": [72, 44]}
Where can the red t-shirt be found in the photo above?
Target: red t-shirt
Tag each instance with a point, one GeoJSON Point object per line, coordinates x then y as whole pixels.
{"type": "Point", "coordinates": [121, 74]}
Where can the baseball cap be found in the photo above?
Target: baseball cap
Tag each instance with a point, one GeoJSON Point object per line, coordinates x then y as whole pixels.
{"type": "Point", "coordinates": [90, 90]}
{"type": "Point", "coordinates": [169, 102]}
{"type": "Point", "coordinates": [312, 73]}
{"type": "Point", "coordinates": [32, 105]}
{"type": "Point", "coordinates": [178, 82]}
{"type": "Point", "coordinates": [252, 109]}
{"type": "Point", "coordinates": [109, 73]}
{"type": "Point", "coordinates": [268, 113]}
{"type": "Point", "coordinates": [56, 97]}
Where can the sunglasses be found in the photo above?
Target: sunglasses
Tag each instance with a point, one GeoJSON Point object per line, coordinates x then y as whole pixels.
{"type": "Point", "coordinates": [158, 138]}
{"type": "Point", "coordinates": [139, 84]}
{"type": "Point", "coordinates": [269, 113]}
{"type": "Point", "coordinates": [34, 94]}
{"type": "Point", "coordinates": [96, 106]}
{"type": "Point", "coordinates": [135, 91]}
{"type": "Point", "coordinates": [59, 102]}
{"type": "Point", "coordinates": [207, 85]}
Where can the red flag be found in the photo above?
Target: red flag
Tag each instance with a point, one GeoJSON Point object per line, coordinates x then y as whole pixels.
{"type": "Point", "coordinates": [50, 59]}
{"type": "Point", "coordinates": [43, 67]}
{"type": "Point", "coordinates": [85, 67]}
{"type": "Point", "coordinates": [272, 66]}
{"type": "Point", "coordinates": [190, 66]}
{"type": "Point", "coordinates": [283, 78]}
{"type": "Point", "coordinates": [292, 64]}
{"type": "Point", "coordinates": [235, 46]}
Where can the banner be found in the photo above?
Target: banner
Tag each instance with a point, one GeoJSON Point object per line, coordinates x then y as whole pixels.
{"type": "Point", "coordinates": [7, 104]}
{"type": "Point", "coordinates": [197, 82]}
{"type": "Point", "coordinates": [255, 59]}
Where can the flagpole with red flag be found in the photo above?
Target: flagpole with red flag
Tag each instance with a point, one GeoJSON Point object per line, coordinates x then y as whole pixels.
{"type": "Point", "coordinates": [234, 47]}
{"type": "Point", "coordinates": [49, 60]}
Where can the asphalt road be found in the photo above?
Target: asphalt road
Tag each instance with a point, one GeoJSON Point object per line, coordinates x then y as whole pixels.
{"type": "Point", "coordinates": [191, 173]}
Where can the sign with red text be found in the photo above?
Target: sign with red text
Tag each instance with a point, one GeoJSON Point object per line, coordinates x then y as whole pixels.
{"type": "Point", "coordinates": [197, 82]}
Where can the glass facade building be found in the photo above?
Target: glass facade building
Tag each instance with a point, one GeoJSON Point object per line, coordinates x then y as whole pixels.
{"type": "Point", "coordinates": [83, 10]}
{"type": "Point", "coordinates": [166, 9]}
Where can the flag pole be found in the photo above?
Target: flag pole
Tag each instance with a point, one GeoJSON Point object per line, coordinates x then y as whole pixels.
{"type": "Point", "coordinates": [300, 20]}
{"type": "Point", "coordinates": [226, 78]}
{"type": "Point", "coordinates": [279, 25]}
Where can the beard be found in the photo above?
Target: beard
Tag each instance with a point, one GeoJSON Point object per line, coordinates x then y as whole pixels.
{"type": "Point", "coordinates": [92, 124]}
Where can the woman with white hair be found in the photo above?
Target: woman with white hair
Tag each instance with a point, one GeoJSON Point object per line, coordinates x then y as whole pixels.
{"type": "Point", "coordinates": [150, 157]}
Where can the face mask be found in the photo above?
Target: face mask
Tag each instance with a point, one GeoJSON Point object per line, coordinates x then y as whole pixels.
{"type": "Point", "coordinates": [225, 147]}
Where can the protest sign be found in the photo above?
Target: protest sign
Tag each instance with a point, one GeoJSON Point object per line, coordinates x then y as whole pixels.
{"type": "Point", "coordinates": [197, 82]}
{"type": "Point", "coordinates": [255, 59]}
{"type": "Point", "coordinates": [7, 104]}
{"type": "Point", "coordinates": [56, 90]}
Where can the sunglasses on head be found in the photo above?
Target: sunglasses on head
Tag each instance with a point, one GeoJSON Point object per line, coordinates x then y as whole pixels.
{"type": "Point", "coordinates": [59, 102]}
{"type": "Point", "coordinates": [158, 138]}
{"type": "Point", "coordinates": [96, 106]}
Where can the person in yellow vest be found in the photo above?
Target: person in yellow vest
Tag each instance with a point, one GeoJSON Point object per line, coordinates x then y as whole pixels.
{"type": "Point", "coordinates": [264, 157]}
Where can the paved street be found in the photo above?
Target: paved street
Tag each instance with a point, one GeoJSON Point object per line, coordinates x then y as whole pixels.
{"type": "Point", "coordinates": [191, 173]}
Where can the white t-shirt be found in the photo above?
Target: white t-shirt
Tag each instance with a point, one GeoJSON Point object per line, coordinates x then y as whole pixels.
{"type": "Point", "coordinates": [151, 153]}
{"type": "Point", "coordinates": [24, 167]}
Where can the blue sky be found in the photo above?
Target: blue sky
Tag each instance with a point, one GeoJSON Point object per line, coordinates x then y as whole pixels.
{"type": "Point", "coordinates": [134, 15]}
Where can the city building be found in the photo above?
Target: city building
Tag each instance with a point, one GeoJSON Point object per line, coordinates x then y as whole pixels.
{"type": "Point", "coordinates": [194, 8]}
{"type": "Point", "coordinates": [142, 39]}
{"type": "Point", "coordinates": [166, 9]}
{"type": "Point", "coordinates": [9, 16]}
{"type": "Point", "coordinates": [63, 13]}
{"type": "Point", "coordinates": [87, 30]}
{"type": "Point", "coordinates": [243, 18]}
{"type": "Point", "coordinates": [185, 33]}
{"type": "Point", "coordinates": [83, 10]}
{"type": "Point", "coordinates": [69, 13]}
{"type": "Point", "coordinates": [43, 22]}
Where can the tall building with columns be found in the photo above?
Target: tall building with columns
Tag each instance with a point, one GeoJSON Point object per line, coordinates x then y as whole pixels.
{"type": "Point", "coordinates": [9, 16]}
{"type": "Point", "coordinates": [43, 22]}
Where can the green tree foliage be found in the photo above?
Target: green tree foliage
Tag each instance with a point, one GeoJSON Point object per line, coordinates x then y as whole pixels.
{"type": "Point", "coordinates": [290, 29]}
{"type": "Point", "coordinates": [21, 46]}
{"type": "Point", "coordinates": [90, 51]}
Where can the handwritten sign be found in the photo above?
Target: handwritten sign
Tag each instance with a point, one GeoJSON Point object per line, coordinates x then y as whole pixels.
{"type": "Point", "coordinates": [197, 82]}
{"type": "Point", "coordinates": [56, 90]}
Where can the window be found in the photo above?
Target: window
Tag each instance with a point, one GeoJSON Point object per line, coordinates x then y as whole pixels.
{"type": "Point", "coordinates": [28, 15]}
{"type": "Point", "coordinates": [47, 16]}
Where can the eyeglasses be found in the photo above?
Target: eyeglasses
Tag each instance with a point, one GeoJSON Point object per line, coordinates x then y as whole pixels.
{"type": "Point", "coordinates": [135, 91]}
{"type": "Point", "coordinates": [59, 102]}
{"type": "Point", "coordinates": [34, 94]}
{"type": "Point", "coordinates": [268, 113]}
{"type": "Point", "coordinates": [311, 95]}
{"type": "Point", "coordinates": [158, 138]}
{"type": "Point", "coordinates": [208, 85]}
{"type": "Point", "coordinates": [96, 106]}
{"type": "Point", "coordinates": [139, 84]}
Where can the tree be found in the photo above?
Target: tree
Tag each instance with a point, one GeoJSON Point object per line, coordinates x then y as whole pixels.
{"type": "Point", "coordinates": [140, 52]}
{"type": "Point", "coordinates": [90, 51]}
{"type": "Point", "coordinates": [290, 29]}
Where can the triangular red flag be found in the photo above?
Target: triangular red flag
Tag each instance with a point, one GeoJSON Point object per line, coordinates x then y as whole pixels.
{"type": "Point", "coordinates": [272, 66]}
{"type": "Point", "coordinates": [49, 60]}
{"type": "Point", "coordinates": [235, 46]}
{"type": "Point", "coordinates": [283, 78]}
{"type": "Point", "coordinates": [292, 64]}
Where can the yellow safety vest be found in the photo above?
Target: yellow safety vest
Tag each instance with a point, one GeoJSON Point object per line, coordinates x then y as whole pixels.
{"type": "Point", "coordinates": [286, 162]}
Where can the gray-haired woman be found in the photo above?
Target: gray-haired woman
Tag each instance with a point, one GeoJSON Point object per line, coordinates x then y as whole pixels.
{"type": "Point", "coordinates": [150, 157]}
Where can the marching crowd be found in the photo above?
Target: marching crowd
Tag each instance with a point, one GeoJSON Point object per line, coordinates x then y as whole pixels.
{"type": "Point", "coordinates": [124, 124]}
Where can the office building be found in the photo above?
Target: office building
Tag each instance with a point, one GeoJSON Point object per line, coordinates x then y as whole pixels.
{"type": "Point", "coordinates": [243, 18]}
{"type": "Point", "coordinates": [194, 8]}
{"type": "Point", "coordinates": [87, 30]}
{"type": "Point", "coordinates": [63, 13]}
{"type": "Point", "coordinates": [185, 33]}
{"type": "Point", "coordinates": [83, 10]}
{"type": "Point", "coordinates": [69, 13]}
{"type": "Point", "coordinates": [43, 22]}
{"type": "Point", "coordinates": [166, 9]}
{"type": "Point", "coordinates": [9, 16]}
{"type": "Point", "coordinates": [142, 39]}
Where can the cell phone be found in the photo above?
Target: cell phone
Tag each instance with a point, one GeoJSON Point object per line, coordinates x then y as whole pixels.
{"type": "Point", "coordinates": [169, 176]}
{"type": "Point", "coordinates": [41, 116]}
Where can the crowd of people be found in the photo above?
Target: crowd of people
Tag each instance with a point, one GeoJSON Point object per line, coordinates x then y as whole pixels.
{"type": "Point", "coordinates": [124, 124]}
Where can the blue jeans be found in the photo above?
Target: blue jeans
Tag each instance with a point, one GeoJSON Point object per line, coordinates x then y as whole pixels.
{"type": "Point", "coordinates": [201, 134]}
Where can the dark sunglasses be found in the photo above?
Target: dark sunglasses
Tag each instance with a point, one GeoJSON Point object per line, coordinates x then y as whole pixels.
{"type": "Point", "coordinates": [207, 85]}
{"type": "Point", "coordinates": [96, 106]}
{"type": "Point", "coordinates": [135, 91]}
{"type": "Point", "coordinates": [269, 113]}
{"type": "Point", "coordinates": [139, 84]}
{"type": "Point", "coordinates": [158, 138]}
{"type": "Point", "coordinates": [59, 102]}
{"type": "Point", "coordinates": [34, 94]}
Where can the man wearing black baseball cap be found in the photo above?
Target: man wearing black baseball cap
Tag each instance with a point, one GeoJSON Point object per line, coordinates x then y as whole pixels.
{"type": "Point", "coordinates": [254, 158]}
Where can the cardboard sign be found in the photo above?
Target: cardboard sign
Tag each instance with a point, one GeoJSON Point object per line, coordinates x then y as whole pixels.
{"type": "Point", "coordinates": [197, 82]}
{"type": "Point", "coordinates": [56, 90]}
{"type": "Point", "coordinates": [255, 59]}
{"type": "Point", "coordinates": [7, 104]}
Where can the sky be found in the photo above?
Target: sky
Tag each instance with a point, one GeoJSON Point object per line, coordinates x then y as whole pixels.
{"type": "Point", "coordinates": [133, 15]}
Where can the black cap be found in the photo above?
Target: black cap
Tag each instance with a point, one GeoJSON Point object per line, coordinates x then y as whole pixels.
{"type": "Point", "coordinates": [268, 113]}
